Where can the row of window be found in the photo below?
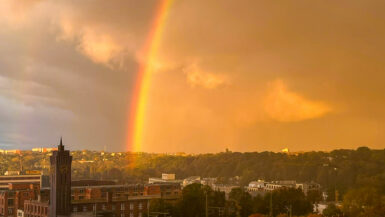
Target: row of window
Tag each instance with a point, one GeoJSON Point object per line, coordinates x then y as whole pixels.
{"type": "Point", "coordinates": [36, 209]}
{"type": "Point", "coordinates": [104, 207]}
{"type": "Point", "coordinates": [130, 215]}
{"type": "Point", "coordinates": [10, 211]}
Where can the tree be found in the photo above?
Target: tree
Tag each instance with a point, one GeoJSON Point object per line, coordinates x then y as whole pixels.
{"type": "Point", "coordinates": [366, 201]}
{"type": "Point", "coordinates": [160, 205]}
{"type": "Point", "coordinates": [192, 203]}
{"type": "Point", "coordinates": [289, 199]}
{"type": "Point", "coordinates": [244, 201]}
{"type": "Point", "coordinates": [314, 196]}
{"type": "Point", "coordinates": [332, 210]}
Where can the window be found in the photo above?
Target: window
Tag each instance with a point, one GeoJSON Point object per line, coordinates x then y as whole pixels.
{"type": "Point", "coordinates": [103, 206]}
{"type": "Point", "coordinates": [94, 208]}
{"type": "Point", "coordinates": [131, 214]}
{"type": "Point", "coordinates": [75, 209]}
{"type": "Point", "coordinates": [10, 210]}
{"type": "Point", "coordinates": [140, 206]}
{"type": "Point", "coordinates": [131, 206]}
{"type": "Point", "coordinates": [81, 197]}
{"type": "Point", "coordinates": [113, 207]}
{"type": "Point", "coordinates": [84, 208]}
{"type": "Point", "coordinates": [10, 202]}
{"type": "Point", "coordinates": [122, 206]}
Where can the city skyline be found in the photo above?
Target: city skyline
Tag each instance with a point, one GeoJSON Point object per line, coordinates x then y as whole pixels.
{"type": "Point", "coordinates": [188, 76]}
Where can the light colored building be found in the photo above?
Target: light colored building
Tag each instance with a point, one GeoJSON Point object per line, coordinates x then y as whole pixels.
{"type": "Point", "coordinates": [306, 187]}
{"type": "Point", "coordinates": [16, 151]}
{"type": "Point", "coordinates": [31, 179]}
{"type": "Point", "coordinates": [44, 150]}
{"type": "Point", "coordinates": [271, 186]}
{"type": "Point", "coordinates": [224, 188]}
{"type": "Point", "coordinates": [20, 213]}
{"type": "Point", "coordinates": [166, 178]}
{"type": "Point", "coordinates": [191, 180]}
{"type": "Point", "coordinates": [12, 173]}
{"type": "Point", "coordinates": [208, 181]}
{"type": "Point", "coordinates": [260, 186]}
{"type": "Point", "coordinates": [257, 184]}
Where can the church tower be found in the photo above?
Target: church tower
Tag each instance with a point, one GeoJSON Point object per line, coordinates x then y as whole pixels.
{"type": "Point", "coordinates": [60, 178]}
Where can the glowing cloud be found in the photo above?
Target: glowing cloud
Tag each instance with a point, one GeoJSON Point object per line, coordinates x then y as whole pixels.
{"type": "Point", "coordinates": [198, 77]}
{"type": "Point", "coordinates": [286, 106]}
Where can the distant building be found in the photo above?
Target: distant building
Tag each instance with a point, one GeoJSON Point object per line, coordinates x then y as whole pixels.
{"type": "Point", "coordinates": [260, 187]}
{"type": "Point", "coordinates": [209, 181]}
{"type": "Point", "coordinates": [29, 179]}
{"type": "Point", "coordinates": [257, 184]}
{"type": "Point", "coordinates": [44, 150]}
{"type": "Point", "coordinates": [166, 178]}
{"type": "Point", "coordinates": [191, 180]}
{"type": "Point", "coordinates": [85, 161]}
{"type": "Point", "coordinates": [224, 188]}
{"type": "Point", "coordinates": [271, 186]}
{"type": "Point", "coordinates": [308, 186]}
{"type": "Point", "coordinates": [10, 151]}
{"type": "Point", "coordinates": [12, 173]}
{"type": "Point", "coordinates": [256, 188]}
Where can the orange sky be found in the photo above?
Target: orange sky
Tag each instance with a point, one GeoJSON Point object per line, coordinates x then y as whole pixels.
{"type": "Point", "coordinates": [244, 75]}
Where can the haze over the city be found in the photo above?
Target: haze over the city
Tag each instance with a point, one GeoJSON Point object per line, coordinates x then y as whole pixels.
{"type": "Point", "coordinates": [244, 75]}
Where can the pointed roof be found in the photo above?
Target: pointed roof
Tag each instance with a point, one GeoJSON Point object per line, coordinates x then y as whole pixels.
{"type": "Point", "coordinates": [61, 146]}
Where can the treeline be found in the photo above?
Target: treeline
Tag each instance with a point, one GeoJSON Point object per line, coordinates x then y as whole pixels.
{"type": "Point", "coordinates": [199, 201]}
{"type": "Point", "coordinates": [336, 170]}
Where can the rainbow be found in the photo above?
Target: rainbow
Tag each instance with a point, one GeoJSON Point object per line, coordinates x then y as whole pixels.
{"type": "Point", "coordinates": [142, 84]}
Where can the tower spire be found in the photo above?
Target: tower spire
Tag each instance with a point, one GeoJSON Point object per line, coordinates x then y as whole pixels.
{"type": "Point", "coordinates": [61, 146]}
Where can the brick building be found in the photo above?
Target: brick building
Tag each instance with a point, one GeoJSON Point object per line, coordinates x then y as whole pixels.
{"type": "Point", "coordinates": [84, 198]}
{"type": "Point", "coordinates": [13, 199]}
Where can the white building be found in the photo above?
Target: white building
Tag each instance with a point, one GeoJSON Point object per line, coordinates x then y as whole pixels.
{"type": "Point", "coordinates": [191, 180]}
{"type": "Point", "coordinates": [166, 178]}
{"type": "Point", "coordinates": [260, 186]}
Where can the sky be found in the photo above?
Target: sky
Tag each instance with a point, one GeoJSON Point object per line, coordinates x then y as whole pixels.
{"type": "Point", "coordinates": [248, 75]}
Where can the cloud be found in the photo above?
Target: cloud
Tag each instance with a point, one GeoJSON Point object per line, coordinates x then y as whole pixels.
{"type": "Point", "coordinates": [197, 77]}
{"type": "Point", "coordinates": [81, 58]}
{"type": "Point", "coordinates": [284, 105]}
{"type": "Point", "coordinates": [97, 43]}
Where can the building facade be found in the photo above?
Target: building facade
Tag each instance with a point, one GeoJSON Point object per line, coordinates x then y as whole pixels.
{"type": "Point", "coordinates": [60, 179]}
{"type": "Point", "coordinates": [14, 198]}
